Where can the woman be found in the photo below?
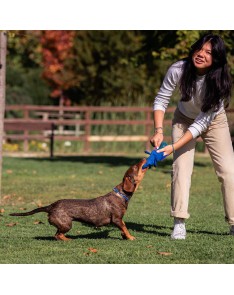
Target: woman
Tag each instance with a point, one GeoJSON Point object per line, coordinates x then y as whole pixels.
{"type": "Point", "coordinates": [205, 85]}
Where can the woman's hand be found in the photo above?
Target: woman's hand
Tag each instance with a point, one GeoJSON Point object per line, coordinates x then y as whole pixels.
{"type": "Point", "coordinates": [167, 150]}
{"type": "Point", "coordinates": [156, 140]}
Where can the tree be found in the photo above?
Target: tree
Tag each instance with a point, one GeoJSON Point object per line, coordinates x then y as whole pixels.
{"type": "Point", "coordinates": [57, 61]}
{"type": "Point", "coordinates": [3, 45]}
{"type": "Point", "coordinates": [24, 82]}
{"type": "Point", "coordinates": [108, 61]}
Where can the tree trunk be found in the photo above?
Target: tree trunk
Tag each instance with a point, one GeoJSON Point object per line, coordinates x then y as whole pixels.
{"type": "Point", "coordinates": [3, 45]}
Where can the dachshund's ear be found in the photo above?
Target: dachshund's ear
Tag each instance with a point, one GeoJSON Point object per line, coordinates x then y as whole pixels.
{"type": "Point", "coordinates": [128, 185]}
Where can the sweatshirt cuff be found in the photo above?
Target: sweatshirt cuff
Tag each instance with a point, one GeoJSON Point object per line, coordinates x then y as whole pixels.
{"type": "Point", "coordinates": [195, 132]}
{"type": "Point", "coordinates": [159, 108]}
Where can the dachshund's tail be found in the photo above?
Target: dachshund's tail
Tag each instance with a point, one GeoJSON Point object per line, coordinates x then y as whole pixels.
{"type": "Point", "coordinates": [41, 209]}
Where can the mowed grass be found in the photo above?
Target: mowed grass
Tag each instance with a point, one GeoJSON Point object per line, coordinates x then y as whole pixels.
{"type": "Point", "coordinates": [29, 183]}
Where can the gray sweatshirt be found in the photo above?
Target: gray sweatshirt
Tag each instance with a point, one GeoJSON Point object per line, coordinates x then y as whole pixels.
{"type": "Point", "coordinates": [191, 108]}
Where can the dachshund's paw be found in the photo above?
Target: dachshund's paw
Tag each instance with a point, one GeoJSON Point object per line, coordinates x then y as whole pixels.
{"type": "Point", "coordinates": [61, 237]}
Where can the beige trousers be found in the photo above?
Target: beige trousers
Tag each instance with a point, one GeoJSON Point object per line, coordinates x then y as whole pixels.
{"type": "Point", "coordinates": [218, 142]}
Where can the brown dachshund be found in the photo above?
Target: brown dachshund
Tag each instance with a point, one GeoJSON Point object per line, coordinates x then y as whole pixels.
{"type": "Point", "coordinates": [99, 211]}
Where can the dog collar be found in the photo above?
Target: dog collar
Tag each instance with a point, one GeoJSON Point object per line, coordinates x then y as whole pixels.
{"type": "Point", "coordinates": [119, 193]}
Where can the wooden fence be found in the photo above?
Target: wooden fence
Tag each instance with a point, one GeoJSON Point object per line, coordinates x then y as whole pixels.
{"type": "Point", "coordinates": [27, 122]}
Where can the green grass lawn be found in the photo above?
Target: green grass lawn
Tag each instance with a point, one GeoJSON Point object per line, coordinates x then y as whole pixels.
{"type": "Point", "coordinates": [29, 183]}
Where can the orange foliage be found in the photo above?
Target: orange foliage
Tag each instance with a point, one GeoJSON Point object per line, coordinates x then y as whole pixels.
{"type": "Point", "coordinates": [56, 50]}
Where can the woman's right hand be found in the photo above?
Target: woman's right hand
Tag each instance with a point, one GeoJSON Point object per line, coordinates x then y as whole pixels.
{"type": "Point", "coordinates": [156, 140]}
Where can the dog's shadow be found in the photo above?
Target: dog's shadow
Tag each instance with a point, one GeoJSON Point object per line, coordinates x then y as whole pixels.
{"type": "Point", "coordinates": [97, 234]}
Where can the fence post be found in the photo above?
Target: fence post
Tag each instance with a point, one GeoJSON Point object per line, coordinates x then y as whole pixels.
{"type": "Point", "coordinates": [61, 114]}
{"type": "Point", "coordinates": [87, 131]}
{"type": "Point", "coordinates": [26, 142]}
{"type": "Point", "coordinates": [52, 141]}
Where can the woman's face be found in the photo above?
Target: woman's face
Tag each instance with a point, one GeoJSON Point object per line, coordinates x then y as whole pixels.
{"type": "Point", "coordinates": [202, 59]}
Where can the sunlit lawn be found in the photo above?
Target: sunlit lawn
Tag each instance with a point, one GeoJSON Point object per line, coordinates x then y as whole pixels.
{"type": "Point", "coordinates": [29, 183]}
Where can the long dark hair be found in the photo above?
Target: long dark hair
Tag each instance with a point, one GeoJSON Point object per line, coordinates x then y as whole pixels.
{"type": "Point", "coordinates": [218, 80]}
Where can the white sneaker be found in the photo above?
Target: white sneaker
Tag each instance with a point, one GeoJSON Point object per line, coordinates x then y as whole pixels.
{"type": "Point", "coordinates": [179, 231]}
{"type": "Point", "coordinates": [232, 230]}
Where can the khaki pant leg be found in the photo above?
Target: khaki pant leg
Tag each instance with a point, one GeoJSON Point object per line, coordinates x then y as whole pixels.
{"type": "Point", "coordinates": [218, 141]}
{"type": "Point", "coordinates": [182, 168]}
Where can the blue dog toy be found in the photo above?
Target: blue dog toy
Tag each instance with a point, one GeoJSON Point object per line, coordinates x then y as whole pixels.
{"type": "Point", "coordinates": [154, 157]}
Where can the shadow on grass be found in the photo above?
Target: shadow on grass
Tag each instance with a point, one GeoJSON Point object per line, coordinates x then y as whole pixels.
{"type": "Point", "coordinates": [95, 235]}
{"type": "Point", "coordinates": [110, 160]}
{"type": "Point", "coordinates": [163, 231]}
{"type": "Point", "coordinates": [156, 229]}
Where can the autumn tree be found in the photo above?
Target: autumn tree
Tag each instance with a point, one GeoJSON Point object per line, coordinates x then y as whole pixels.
{"type": "Point", "coordinates": [58, 61]}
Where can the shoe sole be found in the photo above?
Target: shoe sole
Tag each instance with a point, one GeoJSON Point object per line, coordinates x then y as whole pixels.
{"type": "Point", "coordinates": [178, 238]}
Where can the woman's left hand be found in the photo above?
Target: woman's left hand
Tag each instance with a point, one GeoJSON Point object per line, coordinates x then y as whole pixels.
{"type": "Point", "coordinates": [167, 150]}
